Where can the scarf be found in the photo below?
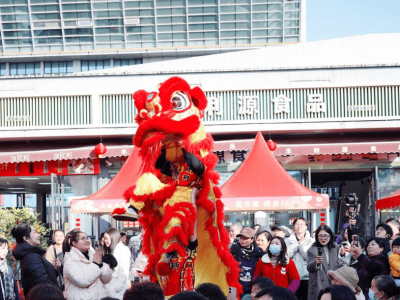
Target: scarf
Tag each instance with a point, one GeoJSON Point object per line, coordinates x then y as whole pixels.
{"type": "Point", "coordinates": [8, 287]}
{"type": "Point", "coordinates": [247, 251]}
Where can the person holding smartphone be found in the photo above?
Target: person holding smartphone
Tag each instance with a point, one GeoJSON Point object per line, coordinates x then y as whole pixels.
{"type": "Point", "coordinates": [322, 256]}
{"type": "Point", "coordinates": [372, 264]}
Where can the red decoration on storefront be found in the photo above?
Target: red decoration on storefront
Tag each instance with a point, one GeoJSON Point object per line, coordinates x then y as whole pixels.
{"type": "Point", "coordinates": [78, 219]}
{"type": "Point", "coordinates": [322, 214]}
{"type": "Point", "coordinates": [100, 149]}
{"type": "Point", "coordinates": [322, 219]}
{"type": "Point", "coordinates": [78, 224]}
{"type": "Point", "coordinates": [271, 145]}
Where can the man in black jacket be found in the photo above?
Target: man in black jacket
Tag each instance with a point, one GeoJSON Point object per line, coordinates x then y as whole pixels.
{"type": "Point", "coordinates": [247, 254]}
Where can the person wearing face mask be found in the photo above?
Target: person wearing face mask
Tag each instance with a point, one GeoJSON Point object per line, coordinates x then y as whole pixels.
{"type": "Point", "coordinates": [84, 272]}
{"type": "Point", "coordinates": [247, 255]}
{"type": "Point", "coordinates": [8, 283]}
{"type": "Point", "coordinates": [276, 265]}
{"type": "Point", "coordinates": [35, 268]}
{"type": "Point", "coordinates": [322, 256]}
{"type": "Point", "coordinates": [383, 287]}
{"type": "Point", "coordinates": [374, 263]}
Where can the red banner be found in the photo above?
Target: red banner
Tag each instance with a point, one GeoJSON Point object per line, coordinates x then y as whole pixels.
{"type": "Point", "coordinates": [82, 166]}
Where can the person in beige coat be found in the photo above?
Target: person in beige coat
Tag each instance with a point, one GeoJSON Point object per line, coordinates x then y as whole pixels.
{"type": "Point", "coordinates": [84, 273]}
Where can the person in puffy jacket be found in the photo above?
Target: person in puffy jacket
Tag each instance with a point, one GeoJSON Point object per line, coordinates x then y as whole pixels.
{"type": "Point", "coordinates": [35, 268]}
{"type": "Point", "coordinates": [247, 255]}
{"type": "Point", "coordinates": [114, 246]}
{"type": "Point", "coordinates": [85, 274]}
{"type": "Point", "coordinates": [276, 265]}
{"type": "Point", "coordinates": [116, 287]}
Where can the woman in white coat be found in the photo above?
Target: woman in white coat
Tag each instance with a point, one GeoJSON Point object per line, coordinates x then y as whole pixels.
{"type": "Point", "coordinates": [84, 273]}
{"type": "Point", "coordinates": [113, 245]}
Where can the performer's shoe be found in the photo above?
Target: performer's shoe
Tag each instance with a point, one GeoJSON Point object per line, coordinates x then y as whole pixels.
{"type": "Point", "coordinates": [130, 215]}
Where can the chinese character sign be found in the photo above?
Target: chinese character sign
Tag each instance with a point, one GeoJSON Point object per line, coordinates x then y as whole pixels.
{"type": "Point", "coordinates": [282, 104]}
{"type": "Point", "coordinates": [214, 106]}
{"type": "Point", "coordinates": [247, 105]}
{"type": "Point", "coordinates": [316, 104]}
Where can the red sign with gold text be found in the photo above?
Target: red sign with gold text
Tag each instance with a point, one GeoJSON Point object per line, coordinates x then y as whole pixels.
{"type": "Point", "coordinates": [83, 166]}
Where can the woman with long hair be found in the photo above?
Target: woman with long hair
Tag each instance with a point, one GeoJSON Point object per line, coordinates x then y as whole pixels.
{"type": "Point", "coordinates": [85, 274]}
{"type": "Point", "coordinates": [55, 254]}
{"type": "Point", "coordinates": [276, 265]}
{"type": "Point", "coordinates": [35, 268]}
{"type": "Point", "coordinates": [113, 245]}
{"type": "Point", "coordinates": [322, 256]}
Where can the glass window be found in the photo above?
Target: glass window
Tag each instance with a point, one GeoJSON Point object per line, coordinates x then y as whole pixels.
{"type": "Point", "coordinates": [200, 19]}
{"type": "Point", "coordinates": [292, 23]}
{"type": "Point", "coordinates": [47, 32]}
{"type": "Point", "coordinates": [78, 31]}
{"type": "Point", "coordinates": [16, 26]}
{"type": "Point", "coordinates": [169, 3]}
{"type": "Point", "coordinates": [44, 8]}
{"type": "Point", "coordinates": [108, 14]}
{"type": "Point", "coordinates": [139, 4]}
{"type": "Point", "coordinates": [2, 69]}
{"type": "Point", "coordinates": [127, 62]}
{"type": "Point", "coordinates": [234, 1]}
{"type": "Point", "coordinates": [90, 65]}
{"type": "Point", "coordinates": [25, 68]}
{"type": "Point", "coordinates": [292, 31]}
{"type": "Point", "coordinates": [235, 8]}
{"type": "Point", "coordinates": [291, 15]}
{"type": "Point", "coordinates": [80, 6]}
{"type": "Point", "coordinates": [194, 27]}
{"type": "Point", "coordinates": [203, 2]}
{"type": "Point", "coordinates": [234, 25]}
{"type": "Point", "coordinates": [236, 17]}
{"type": "Point", "coordinates": [58, 67]}
{"type": "Point", "coordinates": [107, 5]}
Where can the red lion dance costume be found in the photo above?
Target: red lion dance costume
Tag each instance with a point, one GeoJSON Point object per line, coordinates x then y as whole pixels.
{"type": "Point", "coordinates": [176, 193]}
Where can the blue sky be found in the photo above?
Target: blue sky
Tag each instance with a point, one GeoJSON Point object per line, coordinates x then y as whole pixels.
{"type": "Point", "coordinates": [327, 19]}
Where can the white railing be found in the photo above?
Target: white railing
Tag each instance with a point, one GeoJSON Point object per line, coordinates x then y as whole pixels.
{"type": "Point", "coordinates": [52, 111]}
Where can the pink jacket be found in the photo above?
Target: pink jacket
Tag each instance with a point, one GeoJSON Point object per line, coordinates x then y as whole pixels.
{"type": "Point", "coordinates": [83, 278]}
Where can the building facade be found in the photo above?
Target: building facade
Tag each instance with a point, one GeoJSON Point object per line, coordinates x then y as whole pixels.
{"type": "Point", "coordinates": [332, 107]}
{"type": "Point", "coordinates": [40, 37]}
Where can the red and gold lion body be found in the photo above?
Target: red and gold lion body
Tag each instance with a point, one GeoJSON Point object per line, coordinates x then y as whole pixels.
{"type": "Point", "coordinates": [177, 194]}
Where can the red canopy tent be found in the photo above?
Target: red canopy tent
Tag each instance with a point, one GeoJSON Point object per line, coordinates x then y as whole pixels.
{"type": "Point", "coordinates": [261, 183]}
{"type": "Point", "coordinates": [392, 201]}
{"type": "Point", "coordinates": [110, 196]}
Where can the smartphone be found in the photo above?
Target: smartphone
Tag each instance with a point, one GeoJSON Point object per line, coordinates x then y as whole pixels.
{"type": "Point", "coordinates": [319, 251]}
{"type": "Point", "coordinates": [344, 244]}
{"type": "Point", "coordinates": [355, 239]}
{"type": "Point", "coordinates": [232, 293]}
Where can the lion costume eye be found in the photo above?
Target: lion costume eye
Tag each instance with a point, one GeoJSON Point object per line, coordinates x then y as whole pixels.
{"type": "Point", "coordinates": [180, 101]}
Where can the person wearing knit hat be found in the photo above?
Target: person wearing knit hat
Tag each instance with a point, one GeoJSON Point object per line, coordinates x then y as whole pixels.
{"type": "Point", "coordinates": [394, 261]}
{"type": "Point", "coordinates": [346, 276]}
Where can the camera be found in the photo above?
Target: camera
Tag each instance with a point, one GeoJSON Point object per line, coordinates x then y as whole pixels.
{"type": "Point", "coordinates": [351, 200]}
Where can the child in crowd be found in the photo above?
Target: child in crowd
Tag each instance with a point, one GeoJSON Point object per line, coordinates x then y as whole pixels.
{"type": "Point", "coordinates": [394, 261]}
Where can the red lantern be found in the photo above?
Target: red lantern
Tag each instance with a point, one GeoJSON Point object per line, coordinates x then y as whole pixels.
{"type": "Point", "coordinates": [271, 145]}
{"type": "Point", "coordinates": [100, 149]}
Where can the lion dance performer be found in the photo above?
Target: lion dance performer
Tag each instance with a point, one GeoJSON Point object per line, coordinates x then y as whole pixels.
{"type": "Point", "coordinates": [176, 194]}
